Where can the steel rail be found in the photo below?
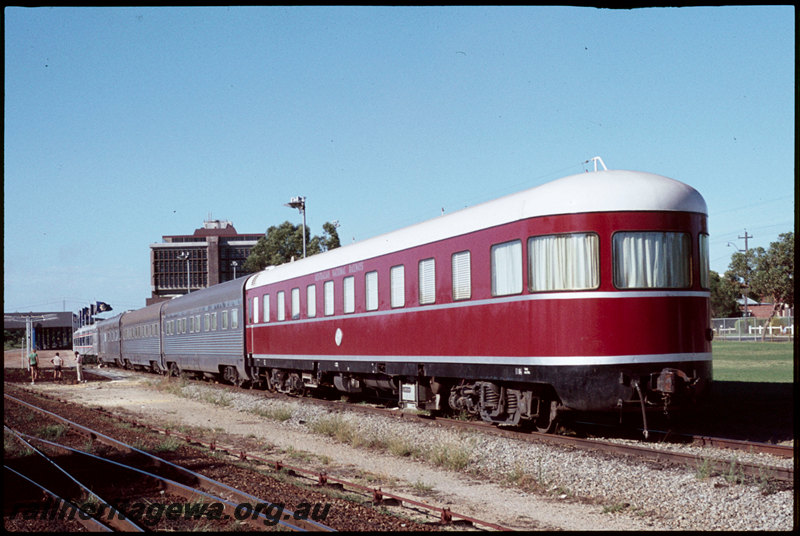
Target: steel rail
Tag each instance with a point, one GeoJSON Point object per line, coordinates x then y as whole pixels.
{"type": "Point", "coordinates": [177, 488]}
{"type": "Point", "coordinates": [646, 453]}
{"type": "Point", "coordinates": [60, 504]}
{"type": "Point", "coordinates": [205, 482]}
{"type": "Point", "coordinates": [782, 451]}
{"type": "Point", "coordinates": [117, 524]}
{"type": "Point", "coordinates": [671, 436]}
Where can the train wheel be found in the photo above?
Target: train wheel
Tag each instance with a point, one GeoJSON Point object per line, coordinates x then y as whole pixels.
{"type": "Point", "coordinates": [230, 375]}
{"type": "Point", "coordinates": [174, 370]}
{"type": "Point", "coordinates": [547, 422]}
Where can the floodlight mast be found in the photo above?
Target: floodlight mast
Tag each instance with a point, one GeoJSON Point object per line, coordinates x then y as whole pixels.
{"type": "Point", "coordinates": [186, 255]}
{"type": "Point", "coordinates": [299, 202]}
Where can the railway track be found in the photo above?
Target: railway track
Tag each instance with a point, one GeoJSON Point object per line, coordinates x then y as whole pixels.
{"type": "Point", "coordinates": [673, 437]}
{"type": "Point", "coordinates": [230, 498]}
{"type": "Point", "coordinates": [644, 451]}
{"type": "Point", "coordinates": [654, 450]}
{"type": "Point", "coordinates": [185, 495]}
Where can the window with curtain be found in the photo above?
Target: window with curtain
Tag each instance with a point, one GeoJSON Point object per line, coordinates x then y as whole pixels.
{"type": "Point", "coordinates": [327, 289]}
{"type": "Point", "coordinates": [311, 301]}
{"type": "Point", "coordinates": [295, 303]}
{"type": "Point", "coordinates": [427, 281]}
{"type": "Point", "coordinates": [281, 305]}
{"type": "Point", "coordinates": [349, 291]}
{"type": "Point", "coordinates": [371, 284]}
{"type": "Point", "coordinates": [397, 280]}
{"type": "Point", "coordinates": [563, 262]}
{"type": "Point", "coordinates": [507, 268]}
{"type": "Point", "coordinates": [705, 280]}
{"type": "Point", "coordinates": [462, 278]}
{"type": "Point", "coordinates": [652, 260]}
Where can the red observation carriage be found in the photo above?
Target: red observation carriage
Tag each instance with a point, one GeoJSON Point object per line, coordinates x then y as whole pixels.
{"type": "Point", "coordinates": [587, 293]}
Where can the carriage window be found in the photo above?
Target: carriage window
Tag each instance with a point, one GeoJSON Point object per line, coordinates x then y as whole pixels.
{"type": "Point", "coordinates": [295, 303]}
{"type": "Point", "coordinates": [328, 296]}
{"type": "Point", "coordinates": [311, 301]}
{"type": "Point", "coordinates": [563, 262]}
{"type": "Point", "coordinates": [397, 277]}
{"type": "Point", "coordinates": [507, 268]}
{"type": "Point", "coordinates": [213, 321]}
{"type": "Point", "coordinates": [207, 320]}
{"type": "Point", "coordinates": [224, 319]}
{"type": "Point", "coordinates": [705, 281]}
{"type": "Point", "coordinates": [462, 279]}
{"type": "Point", "coordinates": [265, 300]}
{"type": "Point", "coordinates": [234, 318]}
{"type": "Point", "coordinates": [652, 260]}
{"type": "Point", "coordinates": [427, 281]}
{"type": "Point", "coordinates": [281, 305]}
{"type": "Point", "coordinates": [349, 290]}
{"type": "Point", "coordinates": [371, 281]}
{"type": "Point", "coordinates": [254, 310]}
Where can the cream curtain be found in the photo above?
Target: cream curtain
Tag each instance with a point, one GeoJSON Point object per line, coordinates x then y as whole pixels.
{"type": "Point", "coordinates": [564, 262]}
{"type": "Point", "coordinates": [652, 260]}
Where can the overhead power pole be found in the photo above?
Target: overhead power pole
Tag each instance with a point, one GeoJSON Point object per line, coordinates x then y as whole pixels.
{"type": "Point", "coordinates": [746, 283]}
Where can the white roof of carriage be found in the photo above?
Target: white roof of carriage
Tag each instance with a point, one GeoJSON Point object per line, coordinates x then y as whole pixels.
{"type": "Point", "coordinates": [600, 191]}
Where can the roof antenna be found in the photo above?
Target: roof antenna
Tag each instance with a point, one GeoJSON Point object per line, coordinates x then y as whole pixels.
{"type": "Point", "coordinates": [595, 160]}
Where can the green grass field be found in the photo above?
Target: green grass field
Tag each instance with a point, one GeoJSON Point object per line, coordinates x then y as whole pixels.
{"type": "Point", "coordinates": [753, 361]}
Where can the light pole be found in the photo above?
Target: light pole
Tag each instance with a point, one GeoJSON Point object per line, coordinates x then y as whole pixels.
{"type": "Point", "coordinates": [299, 203]}
{"type": "Point", "coordinates": [746, 260]}
{"type": "Point", "coordinates": [184, 256]}
{"type": "Point", "coordinates": [234, 264]}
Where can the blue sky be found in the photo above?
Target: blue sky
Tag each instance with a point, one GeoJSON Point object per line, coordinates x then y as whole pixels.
{"type": "Point", "coordinates": [126, 124]}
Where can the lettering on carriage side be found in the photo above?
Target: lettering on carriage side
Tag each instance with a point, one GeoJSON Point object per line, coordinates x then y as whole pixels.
{"type": "Point", "coordinates": [357, 267]}
{"type": "Point", "coordinates": [322, 275]}
{"type": "Point", "coordinates": [338, 271]}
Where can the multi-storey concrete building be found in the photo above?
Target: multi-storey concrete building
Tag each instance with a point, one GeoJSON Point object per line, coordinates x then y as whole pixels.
{"type": "Point", "coordinates": [212, 254]}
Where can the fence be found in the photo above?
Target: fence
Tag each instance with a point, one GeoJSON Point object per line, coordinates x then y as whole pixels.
{"type": "Point", "coordinates": [752, 329]}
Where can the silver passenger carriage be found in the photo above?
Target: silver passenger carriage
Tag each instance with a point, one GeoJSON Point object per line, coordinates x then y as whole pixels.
{"type": "Point", "coordinates": [141, 339]}
{"type": "Point", "coordinates": [204, 332]}
{"type": "Point", "coordinates": [109, 339]}
{"type": "Point", "coordinates": [84, 340]}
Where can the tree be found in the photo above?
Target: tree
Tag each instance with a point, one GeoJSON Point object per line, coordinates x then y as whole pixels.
{"type": "Point", "coordinates": [724, 293]}
{"type": "Point", "coordinates": [741, 270]}
{"type": "Point", "coordinates": [282, 243]}
{"type": "Point", "coordinates": [774, 275]}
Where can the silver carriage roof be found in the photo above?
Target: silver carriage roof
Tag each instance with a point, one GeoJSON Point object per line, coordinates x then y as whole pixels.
{"type": "Point", "coordinates": [600, 191]}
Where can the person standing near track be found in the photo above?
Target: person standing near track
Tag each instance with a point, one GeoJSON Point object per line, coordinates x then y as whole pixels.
{"type": "Point", "coordinates": [57, 362]}
{"type": "Point", "coordinates": [33, 361]}
{"type": "Point", "coordinates": [78, 362]}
